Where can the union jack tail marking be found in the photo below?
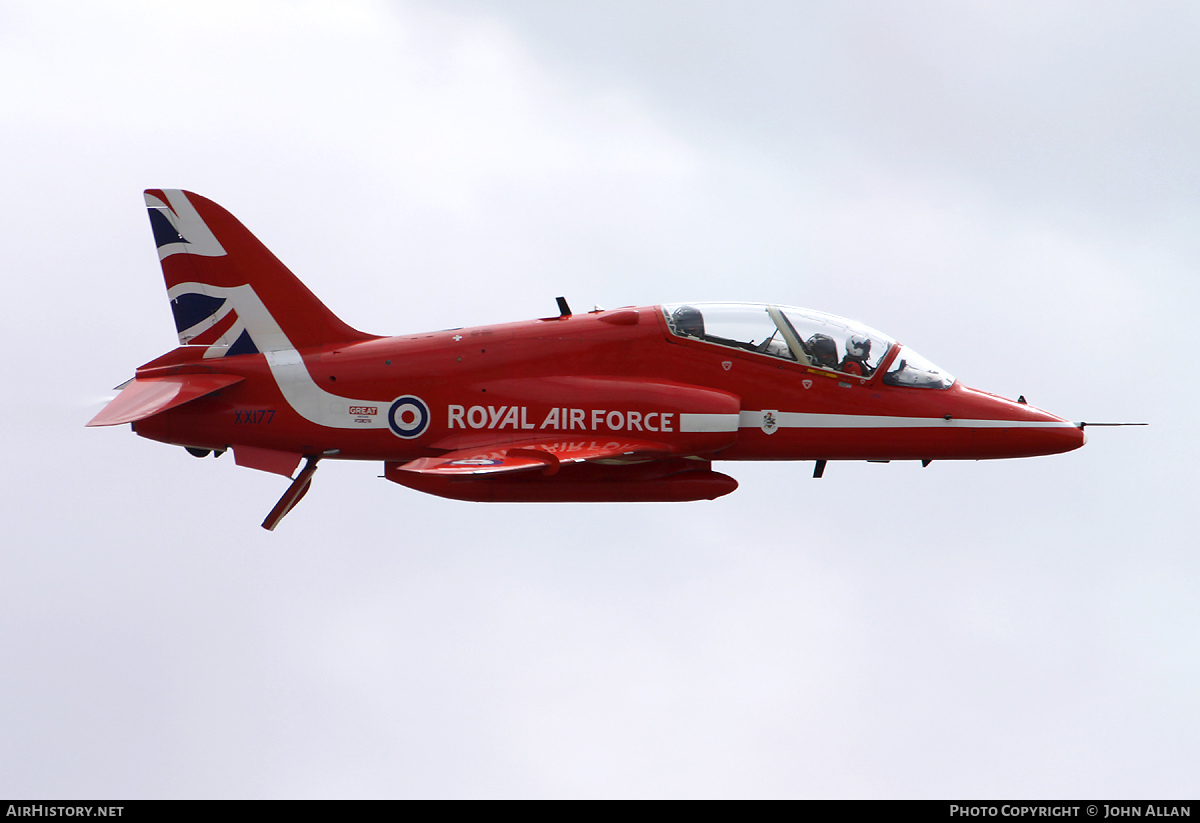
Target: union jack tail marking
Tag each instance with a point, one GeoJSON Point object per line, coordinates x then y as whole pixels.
{"type": "Point", "coordinates": [228, 293]}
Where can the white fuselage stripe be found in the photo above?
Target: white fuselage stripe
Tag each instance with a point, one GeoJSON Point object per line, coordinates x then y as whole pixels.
{"type": "Point", "coordinates": [803, 420]}
{"type": "Point", "coordinates": [314, 403]}
{"type": "Point", "coordinates": [708, 422]}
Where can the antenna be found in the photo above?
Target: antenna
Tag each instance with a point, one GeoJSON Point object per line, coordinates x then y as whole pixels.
{"type": "Point", "coordinates": [1085, 425]}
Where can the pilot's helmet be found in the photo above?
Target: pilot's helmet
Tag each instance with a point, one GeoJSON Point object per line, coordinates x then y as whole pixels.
{"type": "Point", "coordinates": [823, 350]}
{"type": "Point", "coordinates": [858, 347]}
{"type": "Point", "coordinates": [688, 320]}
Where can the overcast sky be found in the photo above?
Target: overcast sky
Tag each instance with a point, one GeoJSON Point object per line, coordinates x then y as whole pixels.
{"type": "Point", "coordinates": [1011, 188]}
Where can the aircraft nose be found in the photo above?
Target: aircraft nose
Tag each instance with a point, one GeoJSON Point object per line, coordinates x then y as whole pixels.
{"type": "Point", "coordinates": [1071, 437]}
{"type": "Point", "coordinates": [1045, 433]}
{"type": "Point", "coordinates": [1021, 430]}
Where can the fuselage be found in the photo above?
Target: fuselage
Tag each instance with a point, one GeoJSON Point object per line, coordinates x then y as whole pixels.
{"type": "Point", "coordinates": [604, 375]}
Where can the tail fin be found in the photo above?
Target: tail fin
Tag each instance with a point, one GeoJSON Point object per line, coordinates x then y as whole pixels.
{"type": "Point", "coordinates": [228, 293]}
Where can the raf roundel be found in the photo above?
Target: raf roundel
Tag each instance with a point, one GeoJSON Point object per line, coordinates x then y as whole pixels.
{"type": "Point", "coordinates": [408, 417]}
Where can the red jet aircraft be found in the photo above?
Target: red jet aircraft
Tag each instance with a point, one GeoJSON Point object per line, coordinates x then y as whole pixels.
{"type": "Point", "coordinates": [626, 405]}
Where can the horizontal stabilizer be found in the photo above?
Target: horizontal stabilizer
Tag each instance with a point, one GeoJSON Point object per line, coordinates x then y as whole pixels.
{"type": "Point", "coordinates": [545, 454]}
{"type": "Point", "coordinates": [145, 396]}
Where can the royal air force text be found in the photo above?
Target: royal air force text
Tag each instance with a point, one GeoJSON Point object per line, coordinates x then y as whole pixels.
{"type": "Point", "coordinates": [558, 419]}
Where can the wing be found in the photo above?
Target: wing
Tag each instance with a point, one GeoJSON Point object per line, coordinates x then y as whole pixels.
{"type": "Point", "coordinates": [527, 455]}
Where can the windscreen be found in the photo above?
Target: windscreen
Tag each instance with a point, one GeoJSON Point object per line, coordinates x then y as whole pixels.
{"type": "Point", "coordinates": [913, 370]}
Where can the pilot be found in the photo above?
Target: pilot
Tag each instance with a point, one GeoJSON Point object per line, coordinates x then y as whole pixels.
{"type": "Point", "coordinates": [689, 321]}
{"type": "Point", "coordinates": [823, 351]}
{"type": "Point", "coordinates": [858, 349]}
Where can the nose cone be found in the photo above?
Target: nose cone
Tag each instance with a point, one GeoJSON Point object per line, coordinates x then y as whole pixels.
{"type": "Point", "coordinates": [1026, 431]}
{"type": "Point", "coordinates": [1037, 432]}
{"type": "Point", "coordinates": [1065, 436]}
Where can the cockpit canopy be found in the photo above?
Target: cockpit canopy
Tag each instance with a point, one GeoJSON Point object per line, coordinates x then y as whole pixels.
{"type": "Point", "coordinates": [804, 336]}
